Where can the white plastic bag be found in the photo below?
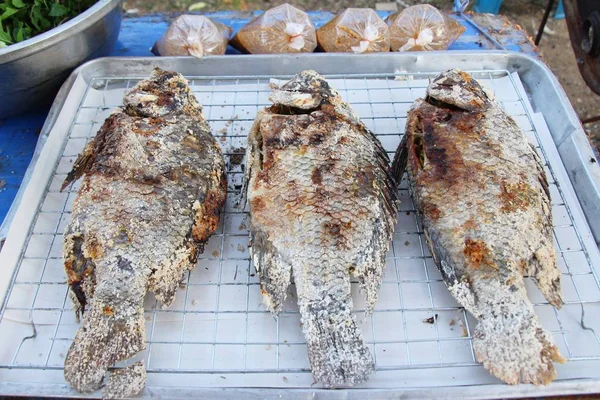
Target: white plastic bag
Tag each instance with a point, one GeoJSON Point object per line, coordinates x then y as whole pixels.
{"type": "Point", "coordinates": [358, 30]}
{"type": "Point", "coordinates": [194, 35]}
{"type": "Point", "coordinates": [422, 28]}
{"type": "Point", "coordinates": [282, 29]}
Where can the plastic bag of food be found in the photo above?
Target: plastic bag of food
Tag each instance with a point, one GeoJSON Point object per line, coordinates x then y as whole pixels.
{"type": "Point", "coordinates": [422, 28]}
{"type": "Point", "coordinates": [358, 30]}
{"type": "Point", "coordinates": [282, 29]}
{"type": "Point", "coordinates": [194, 35]}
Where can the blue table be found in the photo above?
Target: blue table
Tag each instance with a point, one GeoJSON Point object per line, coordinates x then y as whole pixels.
{"type": "Point", "coordinates": [19, 135]}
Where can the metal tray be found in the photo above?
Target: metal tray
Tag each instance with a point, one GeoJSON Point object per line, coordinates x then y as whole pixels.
{"type": "Point", "coordinates": [217, 335]}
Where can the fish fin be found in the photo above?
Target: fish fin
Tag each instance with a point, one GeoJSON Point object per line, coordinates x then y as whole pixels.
{"type": "Point", "coordinates": [546, 275]}
{"type": "Point", "coordinates": [208, 211]}
{"type": "Point", "coordinates": [80, 166]}
{"type": "Point", "coordinates": [370, 270]}
{"type": "Point", "coordinates": [385, 177]}
{"type": "Point", "coordinates": [126, 382]}
{"type": "Point", "coordinates": [86, 159]}
{"type": "Point", "coordinates": [166, 276]}
{"type": "Point", "coordinates": [545, 195]}
{"type": "Point", "coordinates": [400, 159]}
{"type": "Point", "coordinates": [336, 350]}
{"type": "Point", "coordinates": [113, 329]}
{"type": "Point", "coordinates": [509, 340]}
{"type": "Point", "coordinates": [253, 157]}
{"type": "Point", "coordinates": [542, 265]}
{"type": "Point", "coordinates": [274, 272]}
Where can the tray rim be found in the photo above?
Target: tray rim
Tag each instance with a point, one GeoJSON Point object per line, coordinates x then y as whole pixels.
{"type": "Point", "coordinates": [492, 391]}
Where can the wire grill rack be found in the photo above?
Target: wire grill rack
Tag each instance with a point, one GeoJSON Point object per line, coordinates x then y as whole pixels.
{"type": "Point", "coordinates": [217, 324]}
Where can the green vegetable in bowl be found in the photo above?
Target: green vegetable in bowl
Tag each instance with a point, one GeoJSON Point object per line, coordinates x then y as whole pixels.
{"type": "Point", "coordinates": [23, 19]}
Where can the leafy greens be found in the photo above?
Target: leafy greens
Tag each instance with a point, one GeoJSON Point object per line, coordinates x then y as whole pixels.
{"type": "Point", "coordinates": [23, 19]}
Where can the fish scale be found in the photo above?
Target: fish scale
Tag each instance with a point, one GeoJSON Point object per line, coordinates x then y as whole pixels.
{"type": "Point", "coordinates": [322, 208]}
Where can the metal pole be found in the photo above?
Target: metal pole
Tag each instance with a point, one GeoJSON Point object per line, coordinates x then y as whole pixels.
{"type": "Point", "coordinates": [538, 37]}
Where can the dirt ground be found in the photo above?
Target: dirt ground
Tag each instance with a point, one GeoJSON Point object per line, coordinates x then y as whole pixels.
{"type": "Point", "coordinates": [555, 45]}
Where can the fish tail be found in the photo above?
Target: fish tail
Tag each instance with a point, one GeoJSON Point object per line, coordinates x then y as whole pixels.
{"type": "Point", "coordinates": [511, 343]}
{"type": "Point", "coordinates": [126, 382]}
{"type": "Point", "coordinates": [336, 350]}
{"type": "Point", "coordinates": [112, 329]}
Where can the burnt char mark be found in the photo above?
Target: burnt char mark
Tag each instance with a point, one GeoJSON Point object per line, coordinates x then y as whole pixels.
{"type": "Point", "coordinates": [335, 232]}
{"type": "Point", "coordinates": [431, 211]}
{"type": "Point", "coordinates": [258, 204]}
{"type": "Point", "coordinates": [124, 264]}
{"type": "Point", "coordinates": [320, 170]}
{"type": "Point", "coordinates": [441, 160]}
{"type": "Point", "coordinates": [434, 146]}
{"type": "Point", "coordinates": [161, 76]}
{"type": "Point", "coordinates": [79, 295]}
{"type": "Point", "coordinates": [316, 138]}
{"type": "Point", "coordinates": [316, 176]}
{"type": "Point", "coordinates": [516, 196]}
{"type": "Point", "coordinates": [478, 255]}
{"type": "Point", "coordinates": [207, 218]}
{"type": "Point", "coordinates": [147, 126]}
{"type": "Point", "coordinates": [78, 268]}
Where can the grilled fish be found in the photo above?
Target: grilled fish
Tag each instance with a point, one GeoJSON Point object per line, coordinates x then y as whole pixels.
{"type": "Point", "coordinates": [483, 198]}
{"type": "Point", "coordinates": [322, 208]}
{"type": "Point", "coordinates": [153, 187]}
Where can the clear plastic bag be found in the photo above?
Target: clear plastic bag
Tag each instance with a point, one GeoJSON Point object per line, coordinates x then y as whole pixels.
{"type": "Point", "coordinates": [422, 28]}
{"type": "Point", "coordinates": [358, 30]}
{"type": "Point", "coordinates": [282, 29]}
{"type": "Point", "coordinates": [193, 35]}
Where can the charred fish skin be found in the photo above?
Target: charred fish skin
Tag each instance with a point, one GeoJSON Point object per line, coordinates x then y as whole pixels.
{"type": "Point", "coordinates": [482, 195]}
{"type": "Point", "coordinates": [322, 208]}
{"type": "Point", "coordinates": [153, 186]}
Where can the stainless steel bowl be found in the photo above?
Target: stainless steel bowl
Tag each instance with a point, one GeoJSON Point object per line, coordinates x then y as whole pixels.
{"type": "Point", "coordinates": [32, 71]}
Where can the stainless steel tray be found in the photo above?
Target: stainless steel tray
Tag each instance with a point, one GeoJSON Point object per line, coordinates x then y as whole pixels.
{"type": "Point", "coordinates": [217, 335]}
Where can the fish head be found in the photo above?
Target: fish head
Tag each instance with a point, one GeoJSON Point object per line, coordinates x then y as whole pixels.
{"type": "Point", "coordinates": [456, 89]}
{"type": "Point", "coordinates": [166, 92]}
{"type": "Point", "coordinates": [307, 90]}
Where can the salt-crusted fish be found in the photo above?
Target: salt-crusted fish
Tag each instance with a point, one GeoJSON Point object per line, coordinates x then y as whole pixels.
{"type": "Point", "coordinates": [153, 187]}
{"type": "Point", "coordinates": [322, 207]}
{"type": "Point", "coordinates": [483, 198]}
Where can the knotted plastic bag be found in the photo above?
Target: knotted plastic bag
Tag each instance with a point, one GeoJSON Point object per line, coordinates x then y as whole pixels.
{"type": "Point", "coordinates": [422, 28]}
{"type": "Point", "coordinates": [358, 30]}
{"type": "Point", "coordinates": [194, 35]}
{"type": "Point", "coordinates": [282, 29]}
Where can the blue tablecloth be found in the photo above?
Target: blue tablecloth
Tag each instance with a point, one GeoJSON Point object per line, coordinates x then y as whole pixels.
{"type": "Point", "coordinates": [19, 135]}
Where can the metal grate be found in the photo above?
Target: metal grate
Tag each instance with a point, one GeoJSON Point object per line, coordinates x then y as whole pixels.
{"type": "Point", "coordinates": [217, 323]}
